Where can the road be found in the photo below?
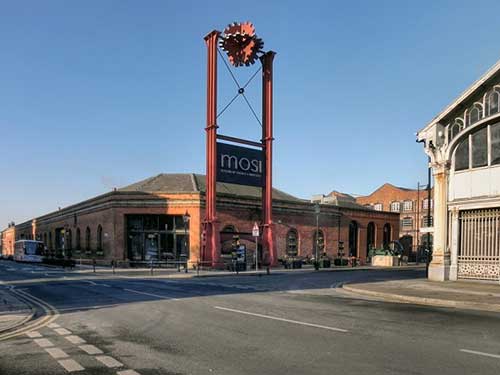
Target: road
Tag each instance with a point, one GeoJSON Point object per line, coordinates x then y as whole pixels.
{"type": "Point", "coordinates": [293, 323]}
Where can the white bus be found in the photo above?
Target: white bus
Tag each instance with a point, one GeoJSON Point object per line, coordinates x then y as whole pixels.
{"type": "Point", "coordinates": [28, 251]}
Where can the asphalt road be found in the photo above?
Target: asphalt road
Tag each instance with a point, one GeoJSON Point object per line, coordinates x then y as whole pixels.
{"type": "Point", "coordinates": [294, 323]}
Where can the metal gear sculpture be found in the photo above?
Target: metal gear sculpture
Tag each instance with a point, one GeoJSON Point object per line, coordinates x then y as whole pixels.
{"type": "Point", "coordinates": [241, 44]}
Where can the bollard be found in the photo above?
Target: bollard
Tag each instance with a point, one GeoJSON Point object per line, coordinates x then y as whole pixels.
{"type": "Point", "coordinates": [113, 266]}
{"type": "Point", "coordinates": [198, 269]}
{"type": "Point", "coordinates": [93, 264]}
{"type": "Point", "coordinates": [268, 270]}
{"type": "Point", "coordinates": [151, 268]}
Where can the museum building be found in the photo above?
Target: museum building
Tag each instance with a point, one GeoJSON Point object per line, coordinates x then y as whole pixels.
{"type": "Point", "coordinates": [161, 218]}
{"type": "Point", "coordinates": [463, 143]}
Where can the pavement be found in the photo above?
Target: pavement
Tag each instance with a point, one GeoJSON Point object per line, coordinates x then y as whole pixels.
{"type": "Point", "coordinates": [286, 323]}
{"type": "Point", "coordinates": [484, 296]}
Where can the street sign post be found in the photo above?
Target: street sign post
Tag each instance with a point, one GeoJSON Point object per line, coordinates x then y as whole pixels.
{"type": "Point", "coordinates": [256, 234]}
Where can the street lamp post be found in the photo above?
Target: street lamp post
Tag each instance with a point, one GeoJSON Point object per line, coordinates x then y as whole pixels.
{"type": "Point", "coordinates": [316, 261]}
{"type": "Point", "coordinates": [185, 219]}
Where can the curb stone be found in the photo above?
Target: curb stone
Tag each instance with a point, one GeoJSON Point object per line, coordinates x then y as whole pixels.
{"type": "Point", "coordinates": [436, 302]}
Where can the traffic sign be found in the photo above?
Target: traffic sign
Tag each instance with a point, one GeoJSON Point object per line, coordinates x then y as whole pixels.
{"type": "Point", "coordinates": [255, 230]}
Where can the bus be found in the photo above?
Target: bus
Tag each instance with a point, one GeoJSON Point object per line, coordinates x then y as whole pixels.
{"type": "Point", "coordinates": [28, 251]}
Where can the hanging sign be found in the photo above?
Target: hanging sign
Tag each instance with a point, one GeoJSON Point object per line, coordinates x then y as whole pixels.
{"type": "Point", "coordinates": [240, 165]}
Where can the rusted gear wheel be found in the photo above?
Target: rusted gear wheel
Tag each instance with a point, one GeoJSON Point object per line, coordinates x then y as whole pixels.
{"type": "Point", "coordinates": [241, 44]}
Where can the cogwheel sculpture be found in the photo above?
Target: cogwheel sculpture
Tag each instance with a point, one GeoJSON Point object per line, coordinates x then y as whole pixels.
{"type": "Point", "coordinates": [241, 44]}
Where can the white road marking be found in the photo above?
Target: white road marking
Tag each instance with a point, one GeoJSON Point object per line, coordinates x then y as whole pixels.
{"type": "Point", "coordinates": [71, 365]}
{"type": "Point", "coordinates": [106, 285]}
{"type": "Point", "coordinates": [282, 319]}
{"type": "Point", "coordinates": [480, 353]}
{"type": "Point", "coordinates": [90, 349]}
{"type": "Point", "coordinates": [150, 294]}
{"type": "Point", "coordinates": [34, 334]}
{"type": "Point", "coordinates": [56, 353]}
{"type": "Point", "coordinates": [108, 361]}
{"type": "Point", "coordinates": [62, 331]}
{"type": "Point", "coordinates": [53, 325]}
{"type": "Point", "coordinates": [128, 372]}
{"type": "Point", "coordinates": [75, 339]}
{"type": "Point", "coordinates": [44, 343]}
{"type": "Point", "coordinates": [90, 282]}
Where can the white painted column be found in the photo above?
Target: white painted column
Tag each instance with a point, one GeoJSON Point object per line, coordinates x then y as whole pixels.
{"type": "Point", "coordinates": [455, 231]}
{"type": "Point", "coordinates": [439, 269]}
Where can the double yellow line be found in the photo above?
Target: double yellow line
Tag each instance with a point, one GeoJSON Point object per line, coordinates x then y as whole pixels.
{"type": "Point", "coordinates": [50, 314]}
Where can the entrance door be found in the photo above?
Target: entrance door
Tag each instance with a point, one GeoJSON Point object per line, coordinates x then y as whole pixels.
{"type": "Point", "coordinates": [353, 239]}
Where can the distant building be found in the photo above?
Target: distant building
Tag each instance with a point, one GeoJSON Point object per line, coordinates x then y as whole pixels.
{"type": "Point", "coordinates": [412, 206]}
{"type": "Point", "coordinates": [463, 143]}
{"type": "Point", "coordinates": [148, 221]}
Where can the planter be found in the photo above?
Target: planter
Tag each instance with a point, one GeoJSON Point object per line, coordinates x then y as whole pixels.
{"type": "Point", "coordinates": [337, 262]}
{"type": "Point", "coordinates": [325, 263]}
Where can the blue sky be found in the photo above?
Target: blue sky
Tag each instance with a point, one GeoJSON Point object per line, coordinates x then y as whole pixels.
{"type": "Point", "coordinates": [97, 94]}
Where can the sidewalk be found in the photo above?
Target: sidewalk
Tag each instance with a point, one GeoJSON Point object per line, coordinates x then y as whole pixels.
{"type": "Point", "coordinates": [174, 273]}
{"type": "Point", "coordinates": [13, 311]}
{"type": "Point", "coordinates": [456, 294]}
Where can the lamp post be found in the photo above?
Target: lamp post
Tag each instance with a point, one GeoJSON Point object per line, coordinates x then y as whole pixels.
{"type": "Point", "coordinates": [316, 261]}
{"type": "Point", "coordinates": [185, 219]}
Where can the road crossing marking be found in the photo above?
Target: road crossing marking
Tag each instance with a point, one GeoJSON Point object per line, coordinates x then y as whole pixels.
{"type": "Point", "coordinates": [75, 339]}
{"type": "Point", "coordinates": [480, 353]}
{"type": "Point", "coordinates": [53, 325]}
{"type": "Point", "coordinates": [108, 361]}
{"type": "Point", "coordinates": [44, 343]}
{"type": "Point", "coordinates": [34, 334]}
{"type": "Point", "coordinates": [150, 294]}
{"type": "Point", "coordinates": [56, 353]}
{"type": "Point", "coordinates": [71, 365]}
{"type": "Point", "coordinates": [62, 331]}
{"type": "Point", "coordinates": [282, 319]}
{"type": "Point", "coordinates": [127, 372]}
{"type": "Point", "coordinates": [90, 349]}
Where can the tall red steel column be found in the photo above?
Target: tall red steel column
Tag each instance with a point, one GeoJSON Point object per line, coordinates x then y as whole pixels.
{"type": "Point", "coordinates": [268, 239]}
{"type": "Point", "coordinates": [210, 245]}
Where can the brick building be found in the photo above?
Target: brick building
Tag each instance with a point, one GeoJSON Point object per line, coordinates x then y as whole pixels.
{"type": "Point", "coordinates": [161, 218]}
{"type": "Point", "coordinates": [412, 206]}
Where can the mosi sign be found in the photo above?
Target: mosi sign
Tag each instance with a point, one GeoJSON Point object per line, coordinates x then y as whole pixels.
{"type": "Point", "coordinates": [240, 165]}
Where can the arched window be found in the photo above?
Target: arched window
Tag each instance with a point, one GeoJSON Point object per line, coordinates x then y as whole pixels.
{"type": "Point", "coordinates": [87, 239]}
{"type": "Point", "coordinates": [455, 128]}
{"type": "Point", "coordinates": [378, 207]}
{"type": "Point", "coordinates": [50, 240]}
{"type": "Point", "coordinates": [407, 222]}
{"type": "Point", "coordinates": [407, 205]}
{"type": "Point", "coordinates": [78, 244]}
{"type": "Point", "coordinates": [320, 236]}
{"type": "Point", "coordinates": [229, 229]}
{"type": "Point", "coordinates": [370, 236]}
{"type": "Point", "coordinates": [492, 102]}
{"type": "Point", "coordinates": [292, 243]}
{"type": "Point", "coordinates": [45, 239]}
{"type": "Point", "coordinates": [474, 115]}
{"type": "Point", "coordinates": [99, 238]}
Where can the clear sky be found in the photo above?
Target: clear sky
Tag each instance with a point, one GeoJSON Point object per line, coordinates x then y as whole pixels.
{"type": "Point", "coordinates": [98, 94]}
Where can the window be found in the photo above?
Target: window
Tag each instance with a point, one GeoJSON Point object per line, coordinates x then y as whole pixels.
{"type": "Point", "coordinates": [407, 222]}
{"type": "Point", "coordinates": [378, 207]}
{"type": "Point", "coordinates": [462, 156]}
{"type": "Point", "coordinates": [87, 239]}
{"type": "Point", "coordinates": [395, 207]}
{"type": "Point", "coordinates": [425, 204]}
{"type": "Point", "coordinates": [474, 114]}
{"type": "Point", "coordinates": [69, 240]}
{"type": "Point", "coordinates": [292, 243]}
{"type": "Point", "coordinates": [479, 147]}
{"type": "Point", "coordinates": [455, 128]}
{"type": "Point", "coordinates": [427, 221]}
{"type": "Point", "coordinates": [492, 103]}
{"type": "Point", "coordinates": [495, 144]}
{"type": "Point", "coordinates": [407, 205]}
{"type": "Point", "coordinates": [99, 238]}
